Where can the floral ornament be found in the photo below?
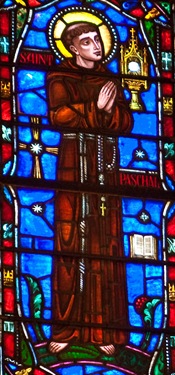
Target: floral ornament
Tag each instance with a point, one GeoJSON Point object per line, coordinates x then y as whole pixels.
{"type": "Point", "coordinates": [7, 229]}
{"type": "Point", "coordinates": [140, 303]}
{"type": "Point", "coordinates": [171, 245]}
{"type": "Point", "coordinates": [6, 133]}
{"type": "Point", "coordinates": [7, 153]}
{"type": "Point", "coordinates": [144, 216]}
{"type": "Point", "coordinates": [169, 150]}
{"type": "Point", "coordinates": [145, 306]}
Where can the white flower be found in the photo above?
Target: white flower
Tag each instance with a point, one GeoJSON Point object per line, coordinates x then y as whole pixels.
{"type": "Point", "coordinates": [144, 217]}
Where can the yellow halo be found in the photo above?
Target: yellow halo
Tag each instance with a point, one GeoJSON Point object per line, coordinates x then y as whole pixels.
{"type": "Point", "coordinates": [61, 21]}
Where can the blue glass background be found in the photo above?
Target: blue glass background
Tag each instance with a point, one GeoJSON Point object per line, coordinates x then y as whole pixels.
{"type": "Point", "coordinates": [32, 99]}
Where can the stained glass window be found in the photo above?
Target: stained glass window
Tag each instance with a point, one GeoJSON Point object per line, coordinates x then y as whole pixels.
{"type": "Point", "coordinates": [87, 280]}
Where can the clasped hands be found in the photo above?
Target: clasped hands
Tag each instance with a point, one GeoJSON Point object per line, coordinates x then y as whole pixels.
{"type": "Point", "coordinates": [107, 96]}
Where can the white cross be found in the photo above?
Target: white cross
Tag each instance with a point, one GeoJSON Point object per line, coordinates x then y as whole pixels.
{"type": "Point", "coordinates": [166, 58]}
{"type": "Point", "coordinates": [4, 43]}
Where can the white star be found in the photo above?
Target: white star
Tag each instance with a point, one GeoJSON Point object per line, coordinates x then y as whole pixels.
{"type": "Point", "coordinates": [144, 216]}
{"type": "Point", "coordinates": [140, 154]}
{"type": "Point", "coordinates": [37, 208]}
{"type": "Point", "coordinates": [36, 148]}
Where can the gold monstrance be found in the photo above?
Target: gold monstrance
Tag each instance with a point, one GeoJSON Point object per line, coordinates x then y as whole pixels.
{"type": "Point", "coordinates": [134, 63]}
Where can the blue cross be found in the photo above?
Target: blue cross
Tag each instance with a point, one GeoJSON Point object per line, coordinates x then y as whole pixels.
{"type": "Point", "coordinates": [4, 43]}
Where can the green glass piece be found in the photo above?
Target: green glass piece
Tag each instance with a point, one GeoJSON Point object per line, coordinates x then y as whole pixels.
{"type": "Point", "coordinates": [149, 26]}
{"type": "Point", "coordinates": [21, 18]}
{"type": "Point", "coordinates": [169, 150]}
{"type": "Point", "coordinates": [166, 5]}
{"type": "Point", "coordinates": [159, 367]}
{"type": "Point", "coordinates": [26, 354]}
{"type": "Point", "coordinates": [36, 297]}
{"type": "Point", "coordinates": [78, 352]}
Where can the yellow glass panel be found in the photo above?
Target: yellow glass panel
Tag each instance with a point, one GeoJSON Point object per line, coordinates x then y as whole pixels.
{"type": "Point", "coordinates": [106, 38]}
{"type": "Point", "coordinates": [59, 27]}
{"type": "Point", "coordinates": [81, 17]}
{"type": "Point", "coordinates": [62, 49]}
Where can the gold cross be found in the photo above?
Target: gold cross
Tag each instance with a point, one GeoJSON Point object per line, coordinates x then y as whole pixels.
{"type": "Point", "coordinates": [37, 161]}
{"type": "Point", "coordinates": [103, 208]}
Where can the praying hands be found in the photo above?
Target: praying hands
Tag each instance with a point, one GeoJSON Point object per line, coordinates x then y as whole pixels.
{"type": "Point", "coordinates": [107, 96]}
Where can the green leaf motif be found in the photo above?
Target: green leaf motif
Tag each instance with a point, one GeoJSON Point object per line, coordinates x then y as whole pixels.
{"type": "Point", "coordinates": [149, 311]}
{"type": "Point", "coordinates": [160, 364]}
{"type": "Point", "coordinates": [36, 298]}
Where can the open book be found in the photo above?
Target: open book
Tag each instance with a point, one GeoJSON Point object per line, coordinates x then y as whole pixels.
{"type": "Point", "coordinates": [143, 246]}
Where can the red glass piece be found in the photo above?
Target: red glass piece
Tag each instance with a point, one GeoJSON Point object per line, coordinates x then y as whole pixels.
{"type": "Point", "coordinates": [6, 110]}
{"type": "Point", "coordinates": [5, 72]}
{"type": "Point", "coordinates": [7, 212]}
{"type": "Point", "coordinates": [39, 372]}
{"type": "Point", "coordinates": [139, 13]}
{"type": "Point", "coordinates": [166, 40]}
{"type": "Point", "coordinates": [167, 89]}
{"type": "Point", "coordinates": [6, 152]}
{"type": "Point", "coordinates": [7, 243]}
{"type": "Point", "coordinates": [9, 344]}
{"type": "Point", "coordinates": [9, 300]}
{"type": "Point", "coordinates": [166, 74]}
{"type": "Point", "coordinates": [171, 272]}
{"type": "Point", "coordinates": [172, 315]}
{"type": "Point", "coordinates": [115, 2]}
{"type": "Point", "coordinates": [34, 3]}
{"type": "Point", "coordinates": [8, 258]}
{"type": "Point", "coordinates": [172, 359]}
{"type": "Point", "coordinates": [4, 23]}
{"type": "Point", "coordinates": [168, 126]}
{"type": "Point", "coordinates": [4, 58]}
{"type": "Point", "coordinates": [171, 227]}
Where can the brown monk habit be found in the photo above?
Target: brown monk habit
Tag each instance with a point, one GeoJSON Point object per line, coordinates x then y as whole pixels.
{"type": "Point", "coordinates": [87, 291]}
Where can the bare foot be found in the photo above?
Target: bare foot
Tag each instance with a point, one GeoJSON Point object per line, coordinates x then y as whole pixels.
{"type": "Point", "coordinates": [56, 347]}
{"type": "Point", "coordinates": [108, 349]}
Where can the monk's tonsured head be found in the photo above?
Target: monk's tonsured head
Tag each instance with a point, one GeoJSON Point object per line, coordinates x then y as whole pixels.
{"type": "Point", "coordinates": [83, 39]}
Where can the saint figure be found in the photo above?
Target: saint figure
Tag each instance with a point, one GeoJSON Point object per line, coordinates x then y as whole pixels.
{"type": "Point", "coordinates": [89, 302]}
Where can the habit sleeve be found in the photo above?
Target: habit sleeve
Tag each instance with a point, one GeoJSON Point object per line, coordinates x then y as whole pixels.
{"type": "Point", "coordinates": [68, 109]}
{"type": "Point", "coordinates": [63, 110]}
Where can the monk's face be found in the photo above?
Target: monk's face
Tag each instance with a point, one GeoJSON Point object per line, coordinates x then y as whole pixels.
{"type": "Point", "coordinates": [88, 46]}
